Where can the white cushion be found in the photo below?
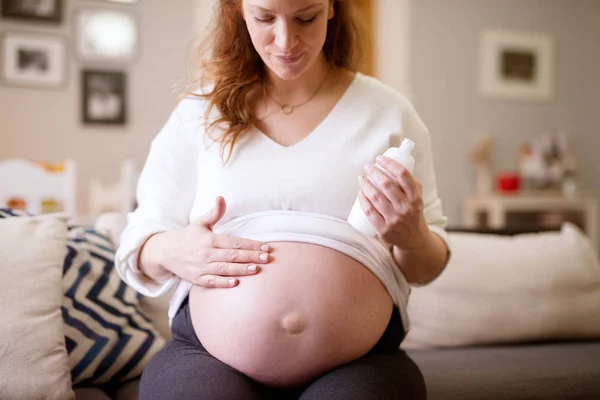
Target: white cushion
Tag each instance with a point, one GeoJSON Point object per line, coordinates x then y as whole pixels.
{"type": "Point", "coordinates": [111, 225]}
{"type": "Point", "coordinates": [501, 289]}
{"type": "Point", "coordinates": [33, 357]}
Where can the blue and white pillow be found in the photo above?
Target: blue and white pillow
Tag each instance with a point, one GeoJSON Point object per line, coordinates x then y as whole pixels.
{"type": "Point", "coordinates": [108, 336]}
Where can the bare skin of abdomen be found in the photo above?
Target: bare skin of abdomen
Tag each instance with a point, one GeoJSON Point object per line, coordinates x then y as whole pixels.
{"type": "Point", "coordinates": [310, 309]}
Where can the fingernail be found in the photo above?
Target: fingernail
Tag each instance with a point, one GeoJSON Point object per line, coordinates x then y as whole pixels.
{"type": "Point", "coordinates": [379, 159]}
{"type": "Point", "coordinates": [252, 268]}
{"type": "Point", "coordinates": [232, 282]}
{"type": "Point", "coordinates": [263, 257]}
{"type": "Point", "coordinates": [265, 247]}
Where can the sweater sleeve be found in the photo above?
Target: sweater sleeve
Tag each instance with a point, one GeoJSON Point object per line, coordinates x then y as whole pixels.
{"type": "Point", "coordinates": [165, 195]}
{"type": "Point", "coordinates": [424, 172]}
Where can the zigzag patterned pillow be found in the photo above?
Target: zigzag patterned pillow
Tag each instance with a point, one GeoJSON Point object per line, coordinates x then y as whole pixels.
{"type": "Point", "coordinates": [108, 337]}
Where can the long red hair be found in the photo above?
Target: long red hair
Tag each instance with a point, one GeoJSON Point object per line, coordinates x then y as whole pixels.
{"type": "Point", "coordinates": [232, 67]}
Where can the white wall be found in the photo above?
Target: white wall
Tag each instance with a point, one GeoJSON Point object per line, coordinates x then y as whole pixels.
{"type": "Point", "coordinates": [392, 22]}
{"type": "Point", "coordinates": [203, 10]}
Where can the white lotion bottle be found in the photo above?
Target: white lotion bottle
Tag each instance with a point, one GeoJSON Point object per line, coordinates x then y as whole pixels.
{"type": "Point", "coordinates": [401, 154]}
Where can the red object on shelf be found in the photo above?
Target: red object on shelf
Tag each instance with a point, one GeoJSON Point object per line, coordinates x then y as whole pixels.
{"type": "Point", "coordinates": [507, 182]}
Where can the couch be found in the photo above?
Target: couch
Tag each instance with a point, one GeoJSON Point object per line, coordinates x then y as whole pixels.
{"type": "Point", "coordinates": [549, 371]}
{"type": "Point", "coordinates": [556, 356]}
{"type": "Point", "coordinates": [542, 343]}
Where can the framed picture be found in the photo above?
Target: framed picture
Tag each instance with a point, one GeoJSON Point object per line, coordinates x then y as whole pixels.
{"type": "Point", "coordinates": [33, 10]}
{"type": "Point", "coordinates": [106, 35]}
{"type": "Point", "coordinates": [33, 60]}
{"type": "Point", "coordinates": [517, 65]}
{"type": "Point", "coordinates": [104, 97]}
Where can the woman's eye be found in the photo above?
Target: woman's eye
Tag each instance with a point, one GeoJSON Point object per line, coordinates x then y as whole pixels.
{"type": "Point", "coordinates": [263, 20]}
{"type": "Point", "coordinates": [306, 21]}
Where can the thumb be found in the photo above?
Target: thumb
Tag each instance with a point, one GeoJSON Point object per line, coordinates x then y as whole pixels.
{"type": "Point", "coordinates": [210, 218]}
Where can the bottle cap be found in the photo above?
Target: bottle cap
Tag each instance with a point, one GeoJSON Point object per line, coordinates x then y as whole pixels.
{"type": "Point", "coordinates": [407, 146]}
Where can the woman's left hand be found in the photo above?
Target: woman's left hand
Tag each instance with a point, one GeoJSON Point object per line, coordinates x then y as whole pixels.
{"type": "Point", "coordinates": [394, 206]}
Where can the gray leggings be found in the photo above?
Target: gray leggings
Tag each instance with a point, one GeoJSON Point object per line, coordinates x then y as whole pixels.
{"type": "Point", "coordinates": [184, 370]}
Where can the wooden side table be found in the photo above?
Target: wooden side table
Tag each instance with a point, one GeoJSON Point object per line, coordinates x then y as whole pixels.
{"type": "Point", "coordinates": [497, 206]}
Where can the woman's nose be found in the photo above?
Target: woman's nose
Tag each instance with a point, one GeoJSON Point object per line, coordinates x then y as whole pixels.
{"type": "Point", "coordinates": [285, 36]}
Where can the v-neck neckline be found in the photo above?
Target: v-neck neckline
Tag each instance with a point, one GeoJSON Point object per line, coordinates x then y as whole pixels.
{"type": "Point", "coordinates": [321, 126]}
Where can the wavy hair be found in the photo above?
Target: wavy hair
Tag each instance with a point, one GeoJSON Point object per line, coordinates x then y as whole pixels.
{"type": "Point", "coordinates": [232, 67]}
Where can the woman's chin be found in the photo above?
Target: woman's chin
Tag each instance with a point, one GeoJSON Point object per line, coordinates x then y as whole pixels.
{"type": "Point", "coordinates": [288, 71]}
{"type": "Point", "coordinates": [287, 74]}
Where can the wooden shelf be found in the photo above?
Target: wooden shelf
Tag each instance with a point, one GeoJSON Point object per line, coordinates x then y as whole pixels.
{"type": "Point", "coordinates": [497, 208]}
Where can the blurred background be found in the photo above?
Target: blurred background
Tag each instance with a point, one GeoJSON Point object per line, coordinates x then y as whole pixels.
{"type": "Point", "coordinates": [508, 89]}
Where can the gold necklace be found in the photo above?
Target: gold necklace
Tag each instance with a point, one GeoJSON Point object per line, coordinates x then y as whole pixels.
{"type": "Point", "coordinates": [287, 108]}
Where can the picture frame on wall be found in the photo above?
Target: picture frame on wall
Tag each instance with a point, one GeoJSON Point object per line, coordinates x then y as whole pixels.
{"type": "Point", "coordinates": [104, 97]}
{"type": "Point", "coordinates": [106, 36]}
{"type": "Point", "coordinates": [34, 60]}
{"type": "Point", "coordinates": [46, 11]}
{"type": "Point", "coordinates": [517, 65]}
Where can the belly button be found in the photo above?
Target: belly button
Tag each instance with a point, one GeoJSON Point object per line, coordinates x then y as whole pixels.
{"type": "Point", "coordinates": [294, 323]}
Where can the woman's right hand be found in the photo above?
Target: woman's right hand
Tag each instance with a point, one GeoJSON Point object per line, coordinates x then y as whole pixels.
{"type": "Point", "coordinates": [203, 258]}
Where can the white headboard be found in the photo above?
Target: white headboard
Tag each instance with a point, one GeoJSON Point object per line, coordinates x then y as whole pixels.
{"type": "Point", "coordinates": [34, 183]}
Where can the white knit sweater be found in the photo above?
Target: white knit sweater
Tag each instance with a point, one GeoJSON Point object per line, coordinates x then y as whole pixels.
{"type": "Point", "coordinates": [302, 192]}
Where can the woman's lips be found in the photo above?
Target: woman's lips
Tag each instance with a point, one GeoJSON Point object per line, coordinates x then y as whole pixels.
{"type": "Point", "coordinates": [289, 59]}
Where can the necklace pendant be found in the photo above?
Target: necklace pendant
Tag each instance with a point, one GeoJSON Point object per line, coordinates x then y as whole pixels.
{"type": "Point", "coordinates": [287, 109]}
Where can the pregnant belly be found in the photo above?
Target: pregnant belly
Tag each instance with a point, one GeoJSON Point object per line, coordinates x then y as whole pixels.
{"type": "Point", "coordinates": [310, 309]}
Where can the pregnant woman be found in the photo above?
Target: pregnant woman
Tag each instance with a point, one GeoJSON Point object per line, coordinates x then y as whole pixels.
{"type": "Point", "coordinates": [243, 203]}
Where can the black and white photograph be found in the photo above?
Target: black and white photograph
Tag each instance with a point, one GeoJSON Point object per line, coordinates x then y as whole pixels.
{"type": "Point", "coordinates": [517, 65]}
{"type": "Point", "coordinates": [104, 97]}
{"type": "Point", "coordinates": [33, 10]}
{"type": "Point", "coordinates": [32, 60]}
